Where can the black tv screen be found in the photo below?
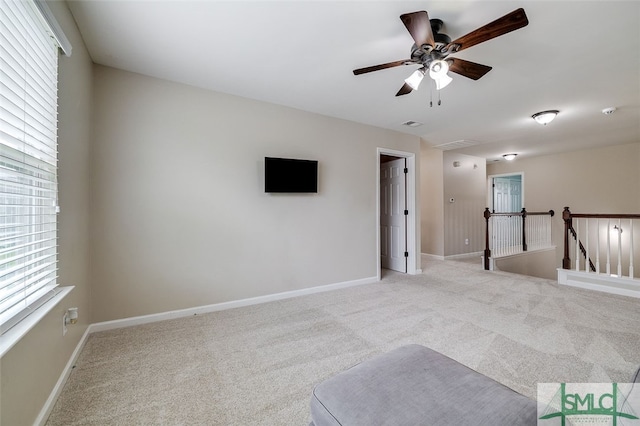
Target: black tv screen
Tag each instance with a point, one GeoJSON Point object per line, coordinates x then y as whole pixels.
{"type": "Point", "coordinates": [290, 175]}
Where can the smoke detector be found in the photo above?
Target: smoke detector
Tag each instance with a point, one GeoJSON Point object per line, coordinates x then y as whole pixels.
{"type": "Point", "coordinates": [609, 111]}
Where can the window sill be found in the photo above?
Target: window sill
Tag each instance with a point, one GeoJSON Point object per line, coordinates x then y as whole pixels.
{"type": "Point", "coordinates": [17, 332]}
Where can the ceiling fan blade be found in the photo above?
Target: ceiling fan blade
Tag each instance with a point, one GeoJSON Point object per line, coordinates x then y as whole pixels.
{"type": "Point", "coordinates": [406, 89]}
{"type": "Point", "coordinates": [509, 22]}
{"type": "Point", "coordinates": [419, 27]}
{"type": "Point", "coordinates": [467, 68]}
{"type": "Point", "coordinates": [383, 66]}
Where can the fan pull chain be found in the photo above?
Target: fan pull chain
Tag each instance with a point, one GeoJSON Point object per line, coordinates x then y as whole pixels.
{"type": "Point", "coordinates": [430, 95]}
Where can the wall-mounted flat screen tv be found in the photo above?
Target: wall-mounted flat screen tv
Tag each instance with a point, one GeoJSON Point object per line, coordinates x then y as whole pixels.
{"type": "Point", "coordinates": [290, 175]}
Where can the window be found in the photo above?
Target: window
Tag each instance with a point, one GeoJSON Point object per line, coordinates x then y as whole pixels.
{"type": "Point", "coordinates": [28, 160]}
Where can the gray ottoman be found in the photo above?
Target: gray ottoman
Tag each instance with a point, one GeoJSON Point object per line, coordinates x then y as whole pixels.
{"type": "Point", "coordinates": [414, 385]}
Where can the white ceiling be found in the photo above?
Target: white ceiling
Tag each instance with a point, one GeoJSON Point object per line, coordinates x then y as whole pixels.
{"type": "Point", "coordinates": [575, 56]}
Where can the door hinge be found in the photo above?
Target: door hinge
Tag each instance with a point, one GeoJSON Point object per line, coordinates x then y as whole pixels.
{"type": "Point", "coordinates": [406, 212]}
{"type": "Point", "coordinates": [406, 254]}
{"type": "Point", "coordinates": [406, 170]}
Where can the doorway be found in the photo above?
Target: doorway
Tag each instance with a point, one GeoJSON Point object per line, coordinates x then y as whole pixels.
{"type": "Point", "coordinates": [396, 215]}
{"type": "Point", "coordinates": [393, 213]}
{"type": "Point", "coordinates": [506, 193]}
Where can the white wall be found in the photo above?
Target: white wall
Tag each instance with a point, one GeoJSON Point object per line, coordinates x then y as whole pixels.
{"type": "Point", "coordinates": [181, 217]}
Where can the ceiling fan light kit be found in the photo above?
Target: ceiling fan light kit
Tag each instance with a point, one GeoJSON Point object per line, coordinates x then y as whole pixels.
{"type": "Point", "coordinates": [438, 72]}
{"type": "Point", "coordinates": [545, 117]}
{"type": "Point", "coordinates": [431, 49]}
{"type": "Point", "coordinates": [414, 79]}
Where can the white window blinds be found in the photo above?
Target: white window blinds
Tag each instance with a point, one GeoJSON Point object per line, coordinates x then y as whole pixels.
{"type": "Point", "coordinates": [28, 161]}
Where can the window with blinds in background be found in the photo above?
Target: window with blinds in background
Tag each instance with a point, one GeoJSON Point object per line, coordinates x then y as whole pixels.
{"type": "Point", "coordinates": [28, 162]}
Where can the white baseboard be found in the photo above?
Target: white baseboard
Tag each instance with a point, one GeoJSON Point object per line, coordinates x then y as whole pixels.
{"type": "Point", "coordinates": [464, 255]}
{"type": "Point", "coordinates": [57, 389]}
{"type": "Point", "coordinates": [599, 282]}
{"type": "Point", "coordinates": [432, 256]}
{"type": "Point", "coordinates": [145, 319]}
{"type": "Point", "coordinates": [452, 256]}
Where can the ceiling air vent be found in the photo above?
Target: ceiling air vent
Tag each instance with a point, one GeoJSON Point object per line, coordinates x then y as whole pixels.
{"type": "Point", "coordinates": [456, 145]}
{"type": "Point", "coordinates": [411, 123]}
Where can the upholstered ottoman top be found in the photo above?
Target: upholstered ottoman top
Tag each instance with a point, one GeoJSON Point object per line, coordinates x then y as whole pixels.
{"type": "Point", "coordinates": [414, 385]}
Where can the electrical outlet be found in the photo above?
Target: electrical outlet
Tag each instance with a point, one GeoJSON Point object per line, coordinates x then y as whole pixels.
{"type": "Point", "coordinates": [466, 241]}
{"type": "Point", "coordinates": [65, 320]}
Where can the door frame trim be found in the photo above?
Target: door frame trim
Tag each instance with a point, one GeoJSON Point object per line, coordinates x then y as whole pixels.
{"type": "Point", "coordinates": [410, 191]}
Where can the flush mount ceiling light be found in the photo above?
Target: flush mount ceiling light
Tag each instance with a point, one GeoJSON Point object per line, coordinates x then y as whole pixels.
{"type": "Point", "coordinates": [509, 157]}
{"type": "Point", "coordinates": [609, 111]}
{"type": "Point", "coordinates": [545, 117]}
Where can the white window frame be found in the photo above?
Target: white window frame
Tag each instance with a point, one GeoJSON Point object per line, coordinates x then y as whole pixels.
{"type": "Point", "coordinates": [30, 39]}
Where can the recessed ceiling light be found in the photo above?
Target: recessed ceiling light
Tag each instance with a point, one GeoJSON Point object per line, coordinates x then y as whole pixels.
{"type": "Point", "coordinates": [545, 117]}
{"type": "Point", "coordinates": [509, 157]}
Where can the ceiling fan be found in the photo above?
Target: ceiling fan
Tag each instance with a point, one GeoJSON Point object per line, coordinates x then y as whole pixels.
{"type": "Point", "coordinates": [431, 49]}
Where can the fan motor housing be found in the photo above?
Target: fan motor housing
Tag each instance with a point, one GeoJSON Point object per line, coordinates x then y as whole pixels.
{"type": "Point", "coordinates": [425, 57]}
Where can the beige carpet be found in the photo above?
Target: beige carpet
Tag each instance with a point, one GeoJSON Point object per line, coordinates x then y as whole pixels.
{"type": "Point", "coordinates": [257, 365]}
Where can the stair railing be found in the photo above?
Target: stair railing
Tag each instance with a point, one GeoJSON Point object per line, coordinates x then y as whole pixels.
{"type": "Point", "coordinates": [516, 232]}
{"type": "Point", "coordinates": [614, 240]}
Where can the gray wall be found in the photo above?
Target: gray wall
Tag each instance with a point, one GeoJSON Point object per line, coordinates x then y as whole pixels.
{"type": "Point", "coordinates": [467, 185]}
{"type": "Point", "coordinates": [446, 225]}
{"type": "Point", "coordinates": [31, 368]}
{"type": "Point", "coordinates": [432, 199]}
{"type": "Point", "coordinates": [181, 217]}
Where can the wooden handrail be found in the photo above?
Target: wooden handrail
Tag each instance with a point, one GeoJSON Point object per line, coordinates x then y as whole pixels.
{"type": "Point", "coordinates": [603, 216]}
{"type": "Point", "coordinates": [520, 213]}
{"type": "Point", "coordinates": [523, 213]}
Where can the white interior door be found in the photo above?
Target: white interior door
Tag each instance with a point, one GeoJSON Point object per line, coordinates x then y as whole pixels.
{"type": "Point", "coordinates": [393, 218]}
{"type": "Point", "coordinates": [507, 194]}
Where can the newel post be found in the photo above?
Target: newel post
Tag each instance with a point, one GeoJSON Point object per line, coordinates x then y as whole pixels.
{"type": "Point", "coordinates": [487, 252]}
{"type": "Point", "coordinates": [524, 233]}
{"type": "Point", "coordinates": [566, 216]}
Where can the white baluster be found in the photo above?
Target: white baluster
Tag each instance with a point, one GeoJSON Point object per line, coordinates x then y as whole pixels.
{"type": "Point", "coordinates": [598, 246]}
{"type": "Point", "coordinates": [586, 256]}
{"type": "Point", "coordinates": [619, 249]}
{"type": "Point", "coordinates": [608, 246]}
{"type": "Point", "coordinates": [630, 248]}
{"type": "Point", "coordinates": [509, 230]}
{"type": "Point", "coordinates": [577, 244]}
{"type": "Point", "coordinates": [498, 232]}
